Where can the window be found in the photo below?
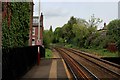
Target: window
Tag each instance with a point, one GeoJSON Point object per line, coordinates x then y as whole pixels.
{"type": "Point", "coordinates": [33, 31]}
{"type": "Point", "coordinates": [35, 20]}
{"type": "Point", "coordinates": [33, 41]}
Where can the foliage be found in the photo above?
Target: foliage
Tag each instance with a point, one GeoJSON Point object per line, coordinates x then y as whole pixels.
{"type": "Point", "coordinates": [100, 52]}
{"type": "Point", "coordinates": [17, 34]}
{"type": "Point", "coordinates": [80, 33]}
{"type": "Point", "coordinates": [94, 22]}
{"type": "Point", "coordinates": [57, 35]}
{"type": "Point", "coordinates": [46, 40]}
{"type": "Point", "coordinates": [48, 37]}
{"type": "Point", "coordinates": [113, 32]}
{"type": "Point", "coordinates": [67, 30]}
{"type": "Point", "coordinates": [77, 31]}
{"type": "Point", "coordinates": [48, 53]}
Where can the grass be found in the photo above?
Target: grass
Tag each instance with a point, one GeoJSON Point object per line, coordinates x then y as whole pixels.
{"type": "Point", "coordinates": [48, 53]}
{"type": "Point", "coordinates": [96, 51]}
{"type": "Point", "coordinates": [101, 52]}
{"type": "Point", "coordinates": [71, 46]}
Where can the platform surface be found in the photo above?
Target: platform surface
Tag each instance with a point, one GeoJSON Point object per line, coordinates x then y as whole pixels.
{"type": "Point", "coordinates": [52, 68]}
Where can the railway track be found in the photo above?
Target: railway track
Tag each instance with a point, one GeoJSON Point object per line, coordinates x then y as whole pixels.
{"type": "Point", "coordinates": [78, 70]}
{"type": "Point", "coordinates": [92, 67]}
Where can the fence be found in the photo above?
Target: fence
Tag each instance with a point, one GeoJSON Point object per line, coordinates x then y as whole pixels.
{"type": "Point", "coordinates": [17, 61]}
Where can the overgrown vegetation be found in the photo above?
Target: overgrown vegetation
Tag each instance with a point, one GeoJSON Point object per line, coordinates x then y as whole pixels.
{"type": "Point", "coordinates": [48, 53]}
{"type": "Point", "coordinates": [96, 51]}
{"type": "Point", "coordinates": [16, 34]}
{"type": "Point", "coordinates": [82, 34]}
{"type": "Point", "coordinates": [113, 32]}
{"type": "Point", "coordinates": [101, 52]}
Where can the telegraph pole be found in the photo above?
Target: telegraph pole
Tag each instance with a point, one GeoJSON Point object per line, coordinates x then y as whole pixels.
{"type": "Point", "coordinates": [39, 23]}
{"type": "Point", "coordinates": [38, 41]}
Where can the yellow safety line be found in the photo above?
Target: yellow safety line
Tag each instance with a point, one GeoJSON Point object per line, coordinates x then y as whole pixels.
{"type": "Point", "coordinates": [53, 70]}
{"type": "Point", "coordinates": [66, 70]}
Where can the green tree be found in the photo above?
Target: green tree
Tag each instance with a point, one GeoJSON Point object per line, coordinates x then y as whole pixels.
{"type": "Point", "coordinates": [57, 35]}
{"type": "Point", "coordinates": [81, 32]}
{"type": "Point", "coordinates": [67, 30]}
{"type": "Point", "coordinates": [48, 37]}
{"type": "Point", "coordinates": [94, 22]}
{"type": "Point", "coordinates": [93, 33]}
{"type": "Point", "coordinates": [113, 32]}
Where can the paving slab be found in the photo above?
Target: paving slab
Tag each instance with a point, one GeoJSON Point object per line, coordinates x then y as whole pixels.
{"type": "Point", "coordinates": [41, 70]}
{"type": "Point", "coordinates": [55, 54]}
{"type": "Point", "coordinates": [51, 69]}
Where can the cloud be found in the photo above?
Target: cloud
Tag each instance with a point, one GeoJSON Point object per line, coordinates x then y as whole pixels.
{"type": "Point", "coordinates": [55, 12]}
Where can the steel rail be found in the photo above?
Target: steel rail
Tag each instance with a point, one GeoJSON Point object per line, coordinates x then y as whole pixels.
{"type": "Point", "coordinates": [76, 52]}
{"type": "Point", "coordinates": [73, 73]}
{"type": "Point", "coordinates": [74, 61]}
{"type": "Point", "coordinates": [110, 63]}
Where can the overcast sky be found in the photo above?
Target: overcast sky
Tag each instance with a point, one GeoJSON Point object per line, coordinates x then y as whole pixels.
{"type": "Point", "coordinates": [57, 13]}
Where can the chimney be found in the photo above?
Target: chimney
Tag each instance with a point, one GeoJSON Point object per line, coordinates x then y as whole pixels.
{"type": "Point", "coordinates": [41, 28]}
{"type": "Point", "coordinates": [104, 26]}
{"type": "Point", "coordinates": [41, 20]}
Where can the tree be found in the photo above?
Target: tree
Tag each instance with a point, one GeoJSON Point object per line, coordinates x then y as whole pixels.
{"type": "Point", "coordinates": [93, 33]}
{"type": "Point", "coordinates": [67, 30]}
{"type": "Point", "coordinates": [113, 32]}
{"type": "Point", "coordinates": [57, 35]}
{"type": "Point", "coordinates": [48, 37]}
{"type": "Point", "coordinates": [81, 32]}
{"type": "Point", "coordinates": [94, 22]}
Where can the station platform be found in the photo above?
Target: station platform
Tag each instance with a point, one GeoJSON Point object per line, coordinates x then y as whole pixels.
{"type": "Point", "coordinates": [52, 68]}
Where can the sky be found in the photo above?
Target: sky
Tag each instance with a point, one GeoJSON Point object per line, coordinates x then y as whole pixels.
{"type": "Point", "coordinates": [57, 13]}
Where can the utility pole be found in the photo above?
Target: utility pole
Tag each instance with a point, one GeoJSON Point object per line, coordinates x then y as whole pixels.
{"type": "Point", "coordinates": [39, 41]}
{"type": "Point", "coordinates": [119, 10]}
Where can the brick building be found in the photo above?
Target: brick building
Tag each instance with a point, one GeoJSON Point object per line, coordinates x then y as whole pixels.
{"type": "Point", "coordinates": [34, 31]}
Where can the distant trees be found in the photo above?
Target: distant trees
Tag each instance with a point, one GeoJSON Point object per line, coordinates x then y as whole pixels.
{"type": "Point", "coordinates": [113, 32]}
{"type": "Point", "coordinates": [94, 22]}
{"type": "Point", "coordinates": [81, 33]}
{"type": "Point", "coordinates": [57, 35]}
{"type": "Point", "coordinates": [48, 37]}
{"type": "Point", "coordinates": [75, 31]}
{"type": "Point", "coordinates": [68, 34]}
